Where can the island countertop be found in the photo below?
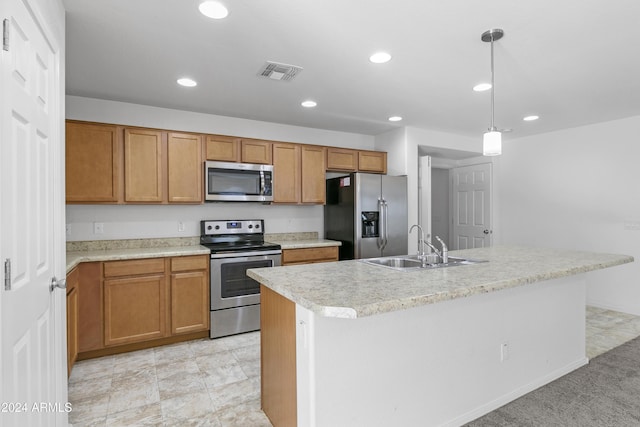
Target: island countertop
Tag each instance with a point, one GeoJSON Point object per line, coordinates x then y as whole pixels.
{"type": "Point", "coordinates": [352, 289]}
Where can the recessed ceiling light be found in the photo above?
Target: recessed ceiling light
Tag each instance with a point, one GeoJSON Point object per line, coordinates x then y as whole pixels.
{"type": "Point", "coordinates": [482, 87]}
{"type": "Point", "coordinates": [380, 57]}
{"type": "Point", "coordinates": [187, 82]}
{"type": "Point", "coordinates": [309, 104]}
{"type": "Point", "coordinates": [530, 118]}
{"type": "Point", "coordinates": [395, 118]}
{"type": "Point", "coordinates": [213, 9]}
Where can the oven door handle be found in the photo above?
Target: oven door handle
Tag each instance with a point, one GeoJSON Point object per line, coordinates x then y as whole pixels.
{"type": "Point", "coordinates": [247, 254]}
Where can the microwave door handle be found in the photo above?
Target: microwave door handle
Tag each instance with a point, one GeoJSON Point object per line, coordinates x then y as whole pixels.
{"type": "Point", "coordinates": [262, 183]}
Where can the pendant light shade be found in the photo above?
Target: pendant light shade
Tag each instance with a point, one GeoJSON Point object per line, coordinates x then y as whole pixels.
{"type": "Point", "coordinates": [492, 140]}
{"type": "Point", "coordinates": [492, 143]}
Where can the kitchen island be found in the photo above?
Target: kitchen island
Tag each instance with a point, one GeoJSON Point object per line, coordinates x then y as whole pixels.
{"type": "Point", "coordinates": [352, 344]}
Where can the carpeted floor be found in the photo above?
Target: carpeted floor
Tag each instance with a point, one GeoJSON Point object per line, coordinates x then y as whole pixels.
{"type": "Point", "coordinates": [606, 392]}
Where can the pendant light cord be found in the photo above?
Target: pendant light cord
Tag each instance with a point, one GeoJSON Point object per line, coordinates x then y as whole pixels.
{"type": "Point", "coordinates": [492, 89]}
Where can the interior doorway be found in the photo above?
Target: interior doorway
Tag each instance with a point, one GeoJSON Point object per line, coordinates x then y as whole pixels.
{"type": "Point", "coordinates": [439, 201]}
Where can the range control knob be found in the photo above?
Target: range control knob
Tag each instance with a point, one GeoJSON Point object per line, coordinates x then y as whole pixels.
{"type": "Point", "coordinates": [250, 225]}
{"type": "Point", "coordinates": [257, 225]}
{"type": "Point", "coordinates": [217, 227]}
{"type": "Point", "coordinates": [209, 227]}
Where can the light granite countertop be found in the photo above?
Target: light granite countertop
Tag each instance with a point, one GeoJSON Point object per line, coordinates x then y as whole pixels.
{"type": "Point", "coordinates": [303, 244]}
{"type": "Point", "coordinates": [115, 250]}
{"type": "Point", "coordinates": [76, 257]}
{"type": "Point", "coordinates": [352, 289]}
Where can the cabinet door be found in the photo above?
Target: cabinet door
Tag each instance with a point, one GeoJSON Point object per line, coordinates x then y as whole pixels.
{"type": "Point", "coordinates": [143, 166]}
{"type": "Point", "coordinates": [223, 148]}
{"type": "Point", "coordinates": [72, 318]}
{"type": "Point", "coordinates": [286, 173]}
{"type": "Point", "coordinates": [189, 302]}
{"type": "Point", "coordinates": [372, 161]}
{"type": "Point", "coordinates": [90, 307]}
{"type": "Point", "coordinates": [342, 159]}
{"type": "Point", "coordinates": [135, 309]}
{"type": "Point", "coordinates": [256, 151]}
{"type": "Point", "coordinates": [184, 168]}
{"type": "Point", "coordinates": [93, 163]}
{"type": "Point", "coordinates": [313, 174]}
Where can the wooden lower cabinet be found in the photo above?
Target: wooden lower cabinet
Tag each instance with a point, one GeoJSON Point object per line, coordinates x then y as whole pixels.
{"type": "Point", "coordinates": [189, 294]}
{"type": "Point", "coordinates": [135, 309]}
{"type": "Point", "coordinates": [72, 318]}
{"type": "Point", "coordinates": [90, 307]}
{"type": "Point", "coordinates": [133, 304]}
{"type": "Point", "coordinates": [278, 386]}
{"type": "Point", "coordinates": [309, 255]}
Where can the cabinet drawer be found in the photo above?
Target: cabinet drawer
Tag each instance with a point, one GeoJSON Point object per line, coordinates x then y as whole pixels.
{"type": "Point", "coordinates": [188, 263]}
{"type": "Point", "coordinates": [309, 255]}
{"type": "Point", "coordinates": [133, 267]}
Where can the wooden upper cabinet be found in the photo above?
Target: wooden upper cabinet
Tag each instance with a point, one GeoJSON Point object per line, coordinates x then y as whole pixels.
{"type": "Point", "coordinates": [256, 151]}
{"type": "Point", "coordinates": [372, 161]}
{"type": "Point", "coordinates": [223, 148]}
{"type": "Point", "coordinates": [93, 163]}
{"type": "Point", "coordinates": [342, 159]}
{"type": "Point", "coordinates": [144, 166]}
{"type": "Point", "coordinates": [313, 168]}
{"type": "Point", "coordinates": [286, 176]}
{"type": "Point", "coordinates": [184, 168]}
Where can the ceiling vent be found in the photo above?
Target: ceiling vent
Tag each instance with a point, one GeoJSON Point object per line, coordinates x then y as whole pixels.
{"type": "Point", "coordinates": [277, 71]}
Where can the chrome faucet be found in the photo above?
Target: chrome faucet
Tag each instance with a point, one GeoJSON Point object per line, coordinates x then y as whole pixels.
{"type": "Point", "coordinates": [421, 255]}
{"type": "Point", "coordinates": [444, 253]}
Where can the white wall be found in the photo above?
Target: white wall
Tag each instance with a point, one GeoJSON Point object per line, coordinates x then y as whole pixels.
{"type": "Point", "coordinates": [142, 221]}
{"type": "Point", "coordinates": [578, 189]}
{"type": "Point", "coordinates": [440, 204]}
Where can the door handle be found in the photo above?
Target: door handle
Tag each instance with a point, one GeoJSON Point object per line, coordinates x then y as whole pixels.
{"type": "Point", "coordinates": [487, 232]}
{"type": "Point", "coordinates": [55, 283]}
{"type": "Point", "coordinates": [386, 223]}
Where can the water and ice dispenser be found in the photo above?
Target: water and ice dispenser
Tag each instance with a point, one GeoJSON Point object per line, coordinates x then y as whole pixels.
{"type": "Point", "coordinates": [369, 224]}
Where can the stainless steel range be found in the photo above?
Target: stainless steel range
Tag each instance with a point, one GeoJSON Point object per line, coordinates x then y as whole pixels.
{"type": "Point", "coordinates": [236, 245]}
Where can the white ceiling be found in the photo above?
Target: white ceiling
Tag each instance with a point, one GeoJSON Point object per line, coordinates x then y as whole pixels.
{"type": "Point", "coordinates": [572, 62]}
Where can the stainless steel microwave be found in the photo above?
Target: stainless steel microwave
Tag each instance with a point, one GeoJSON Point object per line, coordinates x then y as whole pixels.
{"type": "Point", "coordinates": [238, 182]}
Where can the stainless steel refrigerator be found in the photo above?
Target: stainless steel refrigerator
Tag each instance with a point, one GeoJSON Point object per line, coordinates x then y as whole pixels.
{"type": "Point", "coordinates": [368, 214]}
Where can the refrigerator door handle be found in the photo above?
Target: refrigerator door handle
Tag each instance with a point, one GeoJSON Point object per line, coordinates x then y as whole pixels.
{"type": "Point", "coordinates": [380, 241]}
{"type": "Point", "coordinates": [386, 223]}
{"type": "Point", "coordinates": [385, 229]}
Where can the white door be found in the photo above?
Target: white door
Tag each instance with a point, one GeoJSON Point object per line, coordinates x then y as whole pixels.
{"type": "Point", "coordinates": [32, 331]}
{"type": "Point", "coordinates": [471, 216]}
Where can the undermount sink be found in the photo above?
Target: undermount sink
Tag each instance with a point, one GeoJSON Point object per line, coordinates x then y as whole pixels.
{"type": "Point", "coordinates": [412, 262]}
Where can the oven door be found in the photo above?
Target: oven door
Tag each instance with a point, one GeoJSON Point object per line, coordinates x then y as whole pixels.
{"type": "Point", "coordinates": [230, 285]}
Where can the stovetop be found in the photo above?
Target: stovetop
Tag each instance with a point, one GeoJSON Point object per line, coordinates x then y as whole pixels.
{"type": "Point", "coordinates": [230, 236]}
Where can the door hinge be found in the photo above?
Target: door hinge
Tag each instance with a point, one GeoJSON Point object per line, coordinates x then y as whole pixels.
{"type": "Point", "coordinates": [7, 274]}
{"type": "Point", "coordinates": [5, 35]}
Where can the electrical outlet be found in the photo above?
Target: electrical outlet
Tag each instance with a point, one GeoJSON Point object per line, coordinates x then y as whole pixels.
{"type": "Point", "coordinates": [98, 228]}
{"type": "Point", "coordinates": [180, 226]}
{"type": "Point", "coordinates": [504, 351]}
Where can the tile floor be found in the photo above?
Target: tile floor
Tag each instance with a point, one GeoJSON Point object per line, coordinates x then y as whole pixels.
{"type": "Point", "coordinates": [216, 383]}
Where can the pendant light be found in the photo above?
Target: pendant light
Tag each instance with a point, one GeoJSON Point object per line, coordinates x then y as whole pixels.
{"type": "Point", "coordinates": [492, 139]}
